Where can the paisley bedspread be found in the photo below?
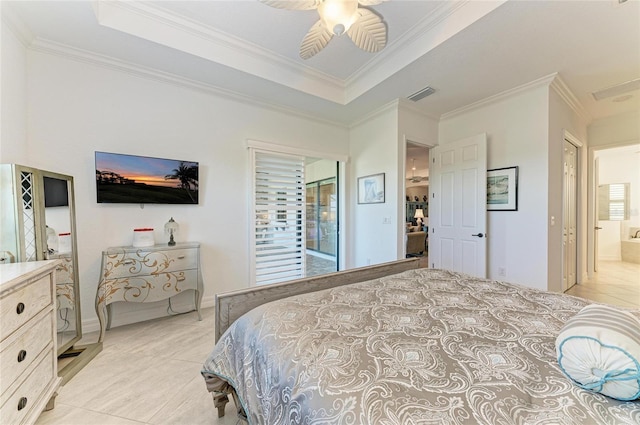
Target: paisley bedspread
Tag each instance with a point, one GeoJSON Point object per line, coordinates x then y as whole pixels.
{"type": "Point", "coordinates": [421, 347]}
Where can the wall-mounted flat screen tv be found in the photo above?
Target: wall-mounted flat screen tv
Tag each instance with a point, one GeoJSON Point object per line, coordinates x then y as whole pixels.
{"type": "Point", "coordinates": [132, 179]}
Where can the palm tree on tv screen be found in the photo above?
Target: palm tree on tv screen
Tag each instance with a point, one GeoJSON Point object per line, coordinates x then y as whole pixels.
{"type": "Point", "coordinates": [188, 177]}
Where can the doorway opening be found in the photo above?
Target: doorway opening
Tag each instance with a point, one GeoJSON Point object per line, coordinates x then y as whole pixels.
{"type": "Point", "coordinates": [281, 227]}
{"type": "Point", "coordinates": [616, 204]}
{"type": "Point", "coordinates": [417, 201]}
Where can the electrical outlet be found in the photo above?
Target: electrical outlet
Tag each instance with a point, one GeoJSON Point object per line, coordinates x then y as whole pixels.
{"type": "Point", "coordinates": [502, 271]}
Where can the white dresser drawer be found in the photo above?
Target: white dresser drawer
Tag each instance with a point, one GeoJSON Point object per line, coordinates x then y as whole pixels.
{"type": "Point", "coordinates": [17, 308]}
{"type": "Point", "coordinates": [24, 348]}
{"type": "Point", "coordinates": [28, 363]}
{"type": "Point", "coordinates": [29, 395]}
{"type": "Point", "coordinates": [147, 262]}
{"type": "Point", "coordinates": [150, 288]}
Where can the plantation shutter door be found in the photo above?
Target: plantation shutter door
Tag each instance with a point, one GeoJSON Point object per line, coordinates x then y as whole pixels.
{"type": "Point", "coordinates": [278, 217]}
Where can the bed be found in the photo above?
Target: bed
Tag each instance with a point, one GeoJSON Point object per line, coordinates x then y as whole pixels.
{"type": "Point", "coordinates": [395, 344]}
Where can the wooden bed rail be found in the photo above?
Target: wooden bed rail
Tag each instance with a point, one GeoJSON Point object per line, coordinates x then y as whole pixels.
{"type": "Point", "coordinates": [231, 305]}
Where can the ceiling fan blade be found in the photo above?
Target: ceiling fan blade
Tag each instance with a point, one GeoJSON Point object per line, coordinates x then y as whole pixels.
{"type": "Point", "coordinates": [315, 40]}
{"type": "Point", "coordinates": [368, 32]}
{"type": "Point", "coordinates": [292, 4]}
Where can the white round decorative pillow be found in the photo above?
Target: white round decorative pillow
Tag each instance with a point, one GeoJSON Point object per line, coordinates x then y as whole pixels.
{"type": "Point", "coordinates": [599, 349]}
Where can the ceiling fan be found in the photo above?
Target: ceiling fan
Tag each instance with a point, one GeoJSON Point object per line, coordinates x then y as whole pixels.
{"type": "Point", "coordinates": [364, 27]}
{"type": "Point", "coordinates": [414, 178]}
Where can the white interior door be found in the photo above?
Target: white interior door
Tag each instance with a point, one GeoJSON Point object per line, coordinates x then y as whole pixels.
{"type": "Point", "coordinates": [458, 206]}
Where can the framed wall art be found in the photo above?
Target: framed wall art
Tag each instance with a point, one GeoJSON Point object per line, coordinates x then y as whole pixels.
{"type": "Point", "coordinates": [371, 189]}
{"type": "Point", "coordinates": [502, 189]}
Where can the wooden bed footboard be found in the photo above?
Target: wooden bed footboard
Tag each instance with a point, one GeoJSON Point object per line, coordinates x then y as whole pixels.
{"type": "Point", "coordinates": [231, 305]}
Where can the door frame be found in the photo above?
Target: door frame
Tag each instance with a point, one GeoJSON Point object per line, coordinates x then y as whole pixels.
{"type": "Point", "coordinates": [341, 176]}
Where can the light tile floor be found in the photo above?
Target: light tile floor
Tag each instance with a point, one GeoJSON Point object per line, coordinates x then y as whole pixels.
{"type": "Point", "coordinates": [149, 372]}
{"type": "Point", "coordinates": [616, 283]}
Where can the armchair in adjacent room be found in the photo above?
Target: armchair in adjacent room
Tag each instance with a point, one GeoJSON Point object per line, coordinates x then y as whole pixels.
{"type": "Point", "coordinates": [415, 241]}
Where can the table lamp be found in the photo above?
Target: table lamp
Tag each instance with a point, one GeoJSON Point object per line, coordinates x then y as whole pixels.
{"type": "Point", "coordinates": [170, 228]}
{"type": "Point", "coordinates": [419, 215]}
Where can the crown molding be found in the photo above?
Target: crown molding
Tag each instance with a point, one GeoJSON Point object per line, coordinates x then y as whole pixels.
{"type": "Point", "coordinates": [159, 25]}
{"type": "Point", "coordinates": [561, 88]}
{"type": "Point", "coordinates": [544, 81]}
{"type": "Point", "coordinates": [16, 25]}
{"type": "Point", "coordinates": [554, 81]}
{"type": "Point", "coordinates": [103, 61]}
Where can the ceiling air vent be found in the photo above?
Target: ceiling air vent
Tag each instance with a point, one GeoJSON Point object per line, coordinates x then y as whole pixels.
{"type": "Point", "coordinates": [617, 90]}
{"type": "Point", "coordinates": [421, 94]}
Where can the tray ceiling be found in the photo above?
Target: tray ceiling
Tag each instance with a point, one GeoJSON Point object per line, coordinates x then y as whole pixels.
{"type": "Point", "coordinates": [466, 50]}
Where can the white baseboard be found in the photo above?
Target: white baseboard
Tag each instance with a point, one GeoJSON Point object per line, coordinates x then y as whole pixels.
{"type": "Point", "coordinates": [126, 313]}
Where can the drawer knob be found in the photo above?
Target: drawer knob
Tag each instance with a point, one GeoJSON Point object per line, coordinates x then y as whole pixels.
{"type": "Point", "coordinates": [127, 262]}
{"type": "Point", "coordinates": [20, 308]}
{"type": "Point", "coordinates": [22, 355]}
{"type": "Point", "coordinates": [180, 257]}
{"type": "Point", "coordinates": [22, 403]}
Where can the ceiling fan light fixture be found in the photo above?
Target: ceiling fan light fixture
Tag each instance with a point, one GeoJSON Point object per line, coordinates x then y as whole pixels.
{"type": "Point", "coordinates": [338, 15]}
{"type": "Point", "coordinates": [364, 27]}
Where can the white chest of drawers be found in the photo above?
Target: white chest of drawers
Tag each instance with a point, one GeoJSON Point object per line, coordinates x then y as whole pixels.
{"type": "Point", "coordinates": [147, 274]}
{"type": "Point", "coordinates": [28, 349]}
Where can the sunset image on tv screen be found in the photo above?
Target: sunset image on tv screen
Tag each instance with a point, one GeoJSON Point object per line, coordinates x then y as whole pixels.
{"type": "Point", "coordinates": [145, 180]}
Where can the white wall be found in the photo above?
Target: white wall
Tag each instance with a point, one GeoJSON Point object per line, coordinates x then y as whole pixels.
{"type": "Point", "coordinates": [77, 108]}
{"type": "Point", "coordinates": [373, 149]}
{"type": "Point", "coordinates": [517, 135]}
{"type": "Point", "coordinates": [13, 96]}
{"type": "Point", "coordinates": [377, 144]}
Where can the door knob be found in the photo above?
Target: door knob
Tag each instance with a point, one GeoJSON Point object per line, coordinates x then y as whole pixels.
{"type": "Point", "coordinates": [478, 235]}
